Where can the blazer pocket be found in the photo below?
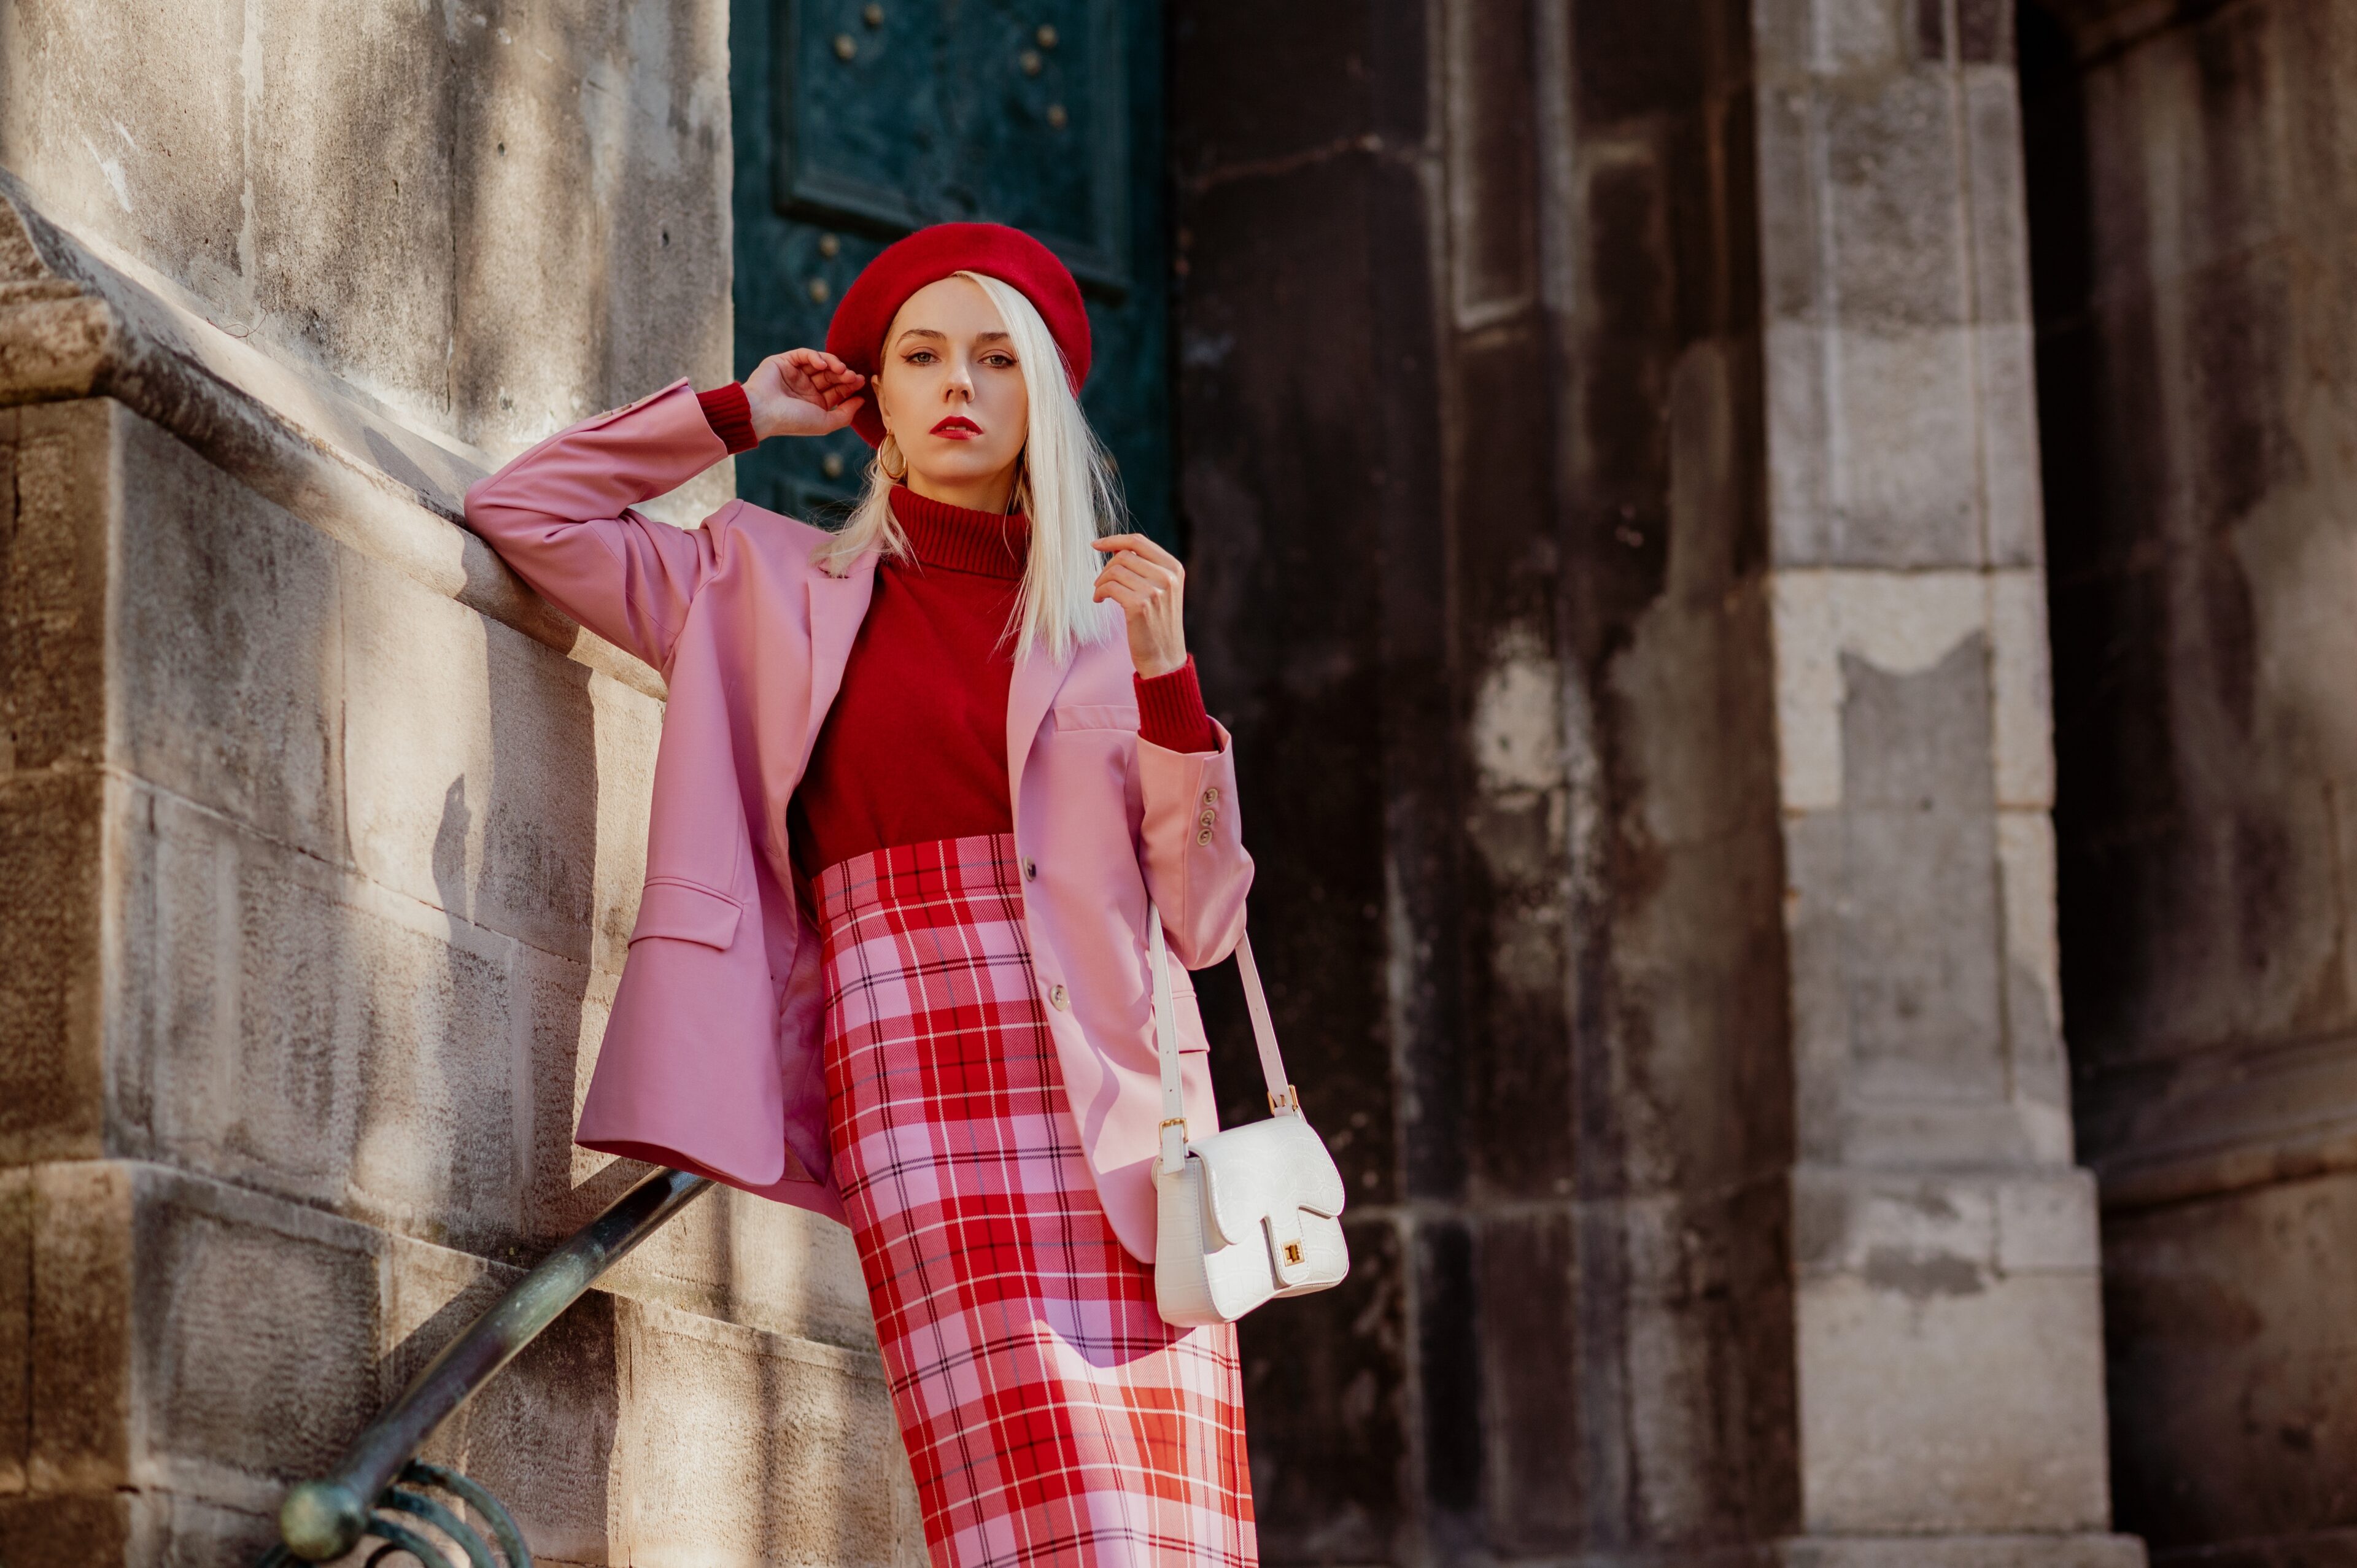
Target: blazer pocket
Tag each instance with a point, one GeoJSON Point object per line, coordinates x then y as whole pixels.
{"type": "Point", "coordinates": [1096, 715]}
{"type": "Point", "coordinates": [685, 912]}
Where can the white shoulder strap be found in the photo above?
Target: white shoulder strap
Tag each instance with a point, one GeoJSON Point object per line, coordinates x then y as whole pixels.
{"type": "Point", "coordinates": [1281, 1097]}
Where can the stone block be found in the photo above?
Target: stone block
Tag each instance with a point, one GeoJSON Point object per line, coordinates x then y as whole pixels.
{"type": "Point", "coordinates": [1898, 623]}
{"type": "Point", "coordinates": [1791, 218]}
{"type": "Point", "coordinates": [257, 1336]}
{"type": "Point", "coordinates": [1904, 407]}
{"type": "Point", "coordinates": [2080, 1550]}
{"type": "Point", "coordinates": [2229, 1329]}
{"type": "Point", "coordinates": [72, 1531]}
{"type": "Point", "coordinates": [130, 123]}
{"type": "Point", "coordinates": [589, 147]}
{"type": "Point", "coordinates": [316, 183]}
{"type": "Point", "coordinates": [60, 509]}
{"type": "Point", "coordinates": [1684, 1337]}
{"type": "Point", "coordinates": [541, 1437]}
{"type": "Point", "coordinates": [743, 1448]}
{"type": "Point", "coordinates": [2022, 723]}
{"type": "Point", "coordinates": [82, 1385]}
{"type": "Point", "coordinates": [2013, 500]}
{"type": "Point", "coordinates": [51, 966]}
{"type": "Point", "coordinates": [1996, 228]}
{"type": "Point", "coordinates": [351, 165]}
{"type": "Point", "coordinates": [1942, 1229]}
{"type": "Point", "coordinates": [294, 1027]}
{"type": "Point", "coordinates": [1922, 940]}
{"type": "Point", "coordinates": [1701, 1086]}
{"type": "Point", "coordinates": [1935, 1398]}
{"type": "Point", "coordinates": [16, 1326]}
{"type": "Point", "coordinates": [746, 1260]}
{"type": "Point", "coordinates": [226, 674]}
{"type": "Point", "coordinates": [1527, 1331]}
{"type": "Point", "coordinates": [473, 764]}
{"type": "Point", "coordinates": [2033, 981]}
{"type": "Point", "coordinates": [1899, 254]}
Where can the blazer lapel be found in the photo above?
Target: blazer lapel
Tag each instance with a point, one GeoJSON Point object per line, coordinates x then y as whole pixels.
{"type": "Point", "coordinates": [1038, 678]}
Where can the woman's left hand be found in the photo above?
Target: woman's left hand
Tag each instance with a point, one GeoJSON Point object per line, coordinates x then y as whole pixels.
{"type": "Point", "coordinates": [1149, 583]}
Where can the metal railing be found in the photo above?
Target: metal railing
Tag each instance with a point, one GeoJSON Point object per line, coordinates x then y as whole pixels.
{"type": "Point", "coordinates": [380, 1477]}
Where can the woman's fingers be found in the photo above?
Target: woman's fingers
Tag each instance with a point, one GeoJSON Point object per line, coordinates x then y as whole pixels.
{"type": "Point", "coordinates": [1144, 582]}
{"type": "Point", "coordinates": [1139, 545]}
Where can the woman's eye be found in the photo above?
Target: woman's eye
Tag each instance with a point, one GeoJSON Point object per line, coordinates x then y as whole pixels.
{"type": "Point", "coordinates": [918, 357]}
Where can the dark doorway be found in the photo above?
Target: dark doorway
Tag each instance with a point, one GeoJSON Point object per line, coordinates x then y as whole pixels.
{"type": "Point", "coordinates": [857, 122]}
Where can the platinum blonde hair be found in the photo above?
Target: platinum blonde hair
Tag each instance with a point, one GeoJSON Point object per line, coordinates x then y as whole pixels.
{"type": "Point", "coordinates": [1063, 480]}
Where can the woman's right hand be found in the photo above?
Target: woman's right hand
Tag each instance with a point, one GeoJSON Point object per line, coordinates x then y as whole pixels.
{"type": "Point", "coordinates": [802, 392]}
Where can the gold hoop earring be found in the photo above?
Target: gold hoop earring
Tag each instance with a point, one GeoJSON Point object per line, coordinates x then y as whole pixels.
{"type": "Point", "coordinates": [887, 453]}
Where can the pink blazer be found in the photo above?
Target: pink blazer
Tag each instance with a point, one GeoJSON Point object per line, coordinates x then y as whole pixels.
{"type": "Point", "coordinates": [710, 1061]}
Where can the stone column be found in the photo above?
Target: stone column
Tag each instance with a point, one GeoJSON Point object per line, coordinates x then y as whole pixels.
{"type": "Point", "coordinates": [1948, 1336]}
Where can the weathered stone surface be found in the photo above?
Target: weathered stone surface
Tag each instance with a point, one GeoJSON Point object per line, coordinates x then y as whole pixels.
{"type": "Point", "coordinates": [448, 211]}
{"type": "Point", "coordinates": [17, 1209]}
{"type": "Point", "coordinates": [83, 1351]}
{"type": "Point", "coordinates": [227, 676]}
{"type": "Point", "coordinates": [51, 988]}
{"type": "Point", "coordinates": [60, 512]}
{"type": "Point", "coordinates": [473, 754]}
{"type": "Point", "coordinates": [1933, 1404]}
{"type": "Point", "coordinates": [1327, 1378]}
{"type": "Point", "coordinates": [257, 1336]}
{"type": "Point", "coordinates": [2228, 1322]}
{"type": "Point", "coordinates": [2192, 200]}
{"type": "Point", "coordinates": [743, 1449]}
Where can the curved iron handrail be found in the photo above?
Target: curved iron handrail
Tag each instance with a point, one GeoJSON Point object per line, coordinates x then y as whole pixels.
{"type": "Point", "coordinates": [324, 1518]}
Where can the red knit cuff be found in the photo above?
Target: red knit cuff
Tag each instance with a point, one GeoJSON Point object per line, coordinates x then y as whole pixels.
{"type": "Point", "coordinates": [731, 416]}
{"type": "Point", "coordinates": [1170, 711]}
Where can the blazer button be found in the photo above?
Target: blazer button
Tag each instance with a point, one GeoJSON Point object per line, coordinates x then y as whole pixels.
{"type": "Point", "coordinates": [1059, 998]}
{"type": "Point", "coordinates": [1208, 818]}
{"type": "Point", "coordinates": [1212, 796]}
{"type": "Point", "coordinates": [1203, 837]}
{"type": "Point", "coordinates": [1031, 870]}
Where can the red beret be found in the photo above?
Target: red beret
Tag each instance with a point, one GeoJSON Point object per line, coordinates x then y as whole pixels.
{"type": "Point", "coordinates": [857, 334]}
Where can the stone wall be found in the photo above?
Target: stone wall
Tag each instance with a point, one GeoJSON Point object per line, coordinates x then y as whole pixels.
{"type": "Point", "coordinates": [321, 836]}
{"type": "Point", "coordinates": [1630, 406]}
{"type": "Point", "coordinates": [2196, 189]}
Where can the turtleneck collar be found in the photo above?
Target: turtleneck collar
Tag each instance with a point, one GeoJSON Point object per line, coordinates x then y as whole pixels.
{"type": "Point", "coordinates": [959, 538]}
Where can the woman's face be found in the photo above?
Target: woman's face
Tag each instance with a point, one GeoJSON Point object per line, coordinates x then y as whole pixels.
{"type": "Point", "coordinates": [950, 391]}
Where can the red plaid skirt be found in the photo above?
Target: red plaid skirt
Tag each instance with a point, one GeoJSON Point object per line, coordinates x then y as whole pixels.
{"type": "Point", "coordinates": [1050, 1414]}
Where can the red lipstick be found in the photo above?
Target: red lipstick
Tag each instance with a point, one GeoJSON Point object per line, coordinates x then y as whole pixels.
{"type": "Point", "coordinates": [957, 427]}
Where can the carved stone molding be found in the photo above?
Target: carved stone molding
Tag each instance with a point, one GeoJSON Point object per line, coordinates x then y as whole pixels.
{"type": "Point", "coordinates": [75, 325]}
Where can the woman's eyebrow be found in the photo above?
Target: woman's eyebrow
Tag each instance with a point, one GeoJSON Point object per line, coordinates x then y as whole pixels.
{"type": "Point", "coordinates": [907, 332]}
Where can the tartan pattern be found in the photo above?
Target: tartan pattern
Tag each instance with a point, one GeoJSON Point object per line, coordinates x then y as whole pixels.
{"type": "Point", "coordinates": [1051, 1415]}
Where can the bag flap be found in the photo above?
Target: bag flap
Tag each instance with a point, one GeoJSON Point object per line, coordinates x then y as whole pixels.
{"type": "Point", "coordinates": [1249, 1172]}
{"type": "Point", "coordinates": [689, 913]}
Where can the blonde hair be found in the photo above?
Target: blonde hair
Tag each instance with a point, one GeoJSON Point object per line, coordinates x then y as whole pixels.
{"type": "Point", "coordinates": [1063, 479]}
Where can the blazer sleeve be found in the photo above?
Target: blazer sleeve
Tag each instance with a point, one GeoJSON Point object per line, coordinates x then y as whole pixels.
{"type": "Point", "coordinates": [1196, 866]}
{"type": "Point", "coordinates": [560, 515]}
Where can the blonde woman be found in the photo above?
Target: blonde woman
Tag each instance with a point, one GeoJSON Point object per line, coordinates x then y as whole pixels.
{"type": "Point", "coordinates": [920, 784]}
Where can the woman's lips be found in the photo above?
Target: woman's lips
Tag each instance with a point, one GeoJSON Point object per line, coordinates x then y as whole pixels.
{"type": "Point", "coordinates": [957, 427]}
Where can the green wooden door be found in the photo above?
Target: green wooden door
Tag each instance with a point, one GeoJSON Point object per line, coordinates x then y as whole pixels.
{"type": "Point", "coordinates": [859, 120]}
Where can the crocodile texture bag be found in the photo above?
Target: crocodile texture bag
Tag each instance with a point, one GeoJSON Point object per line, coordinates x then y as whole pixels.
{"type": "Point", "coordinates": [1247, 1213]}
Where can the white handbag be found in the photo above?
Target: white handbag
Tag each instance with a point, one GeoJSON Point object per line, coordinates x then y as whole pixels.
{"type": "Point", "coordinates": [1247, 1213]}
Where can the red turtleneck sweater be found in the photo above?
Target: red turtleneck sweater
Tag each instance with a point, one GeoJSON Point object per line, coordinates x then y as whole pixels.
{"type": "Point", "coordinates": [915, 746]}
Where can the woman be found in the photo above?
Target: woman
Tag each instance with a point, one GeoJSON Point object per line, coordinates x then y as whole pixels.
{"type": "Point", "coordinates": [918, 782]}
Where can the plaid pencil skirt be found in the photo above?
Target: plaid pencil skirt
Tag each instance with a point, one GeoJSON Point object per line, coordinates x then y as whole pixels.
{"type": "Point", "coordinates": [1051, 1415]}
